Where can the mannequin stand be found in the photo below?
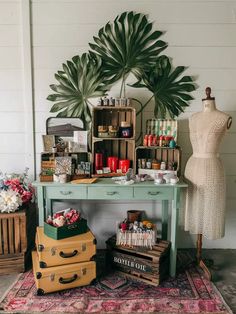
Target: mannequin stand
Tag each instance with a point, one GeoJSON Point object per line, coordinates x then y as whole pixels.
{"type": "Point", "coordinates": [204, 264]}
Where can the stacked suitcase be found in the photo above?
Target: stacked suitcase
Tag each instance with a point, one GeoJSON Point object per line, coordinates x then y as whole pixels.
{"type": "Point", "coordinates": [63, 264]}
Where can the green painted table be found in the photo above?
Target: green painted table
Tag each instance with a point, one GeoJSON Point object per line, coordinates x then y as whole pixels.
{"type": "Point", "coordinates": [106, 189]}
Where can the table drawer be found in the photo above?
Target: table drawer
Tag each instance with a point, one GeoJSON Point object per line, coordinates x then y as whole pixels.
{"type": "Point", "coordinates": [110, 193]}
{"type": "Point", "coordinates": [69, 192]}
{"type": "Point", "coordinates": [153, 193]}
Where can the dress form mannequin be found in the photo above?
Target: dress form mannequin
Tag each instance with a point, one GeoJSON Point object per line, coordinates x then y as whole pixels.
{"type": "Point", "coordinates": [205, 210]}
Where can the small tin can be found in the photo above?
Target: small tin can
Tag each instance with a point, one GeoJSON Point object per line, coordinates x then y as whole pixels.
{"type": "Point", "coordinates": [106, 102]}
{"type": "Point", "coordinates": [149, 164]}
{"type": "Point", "coordinates": [139, 163]}
{"type": "Point", "coordinates": [143, 163]}
{"type": "Point", "coordinates": [163, 165]}
{"type": "Point", "coordinates": [145, 140]}
{"type": "Point", "coordinates": [154, 140]}
{"type": "Point", "coordinates": [117, 101]}
{"type": "Point", "coordinates": [161, 140]}
{"type": "Point", "coordinates": [150, 139]}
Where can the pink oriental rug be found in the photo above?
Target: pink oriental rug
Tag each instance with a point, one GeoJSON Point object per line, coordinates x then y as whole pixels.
{"type": "Point", "coordinates": [188, 293]}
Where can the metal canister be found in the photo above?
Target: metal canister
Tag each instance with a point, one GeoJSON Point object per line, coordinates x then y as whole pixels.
{"type": "Point", "coordinates": [145, 140]}
{"type": "Point", "coordinates": [150, 140]}
{"type": "Point", "coordinates": [163, 165]}
{"type": "Point", "coordinates": [154, 140]}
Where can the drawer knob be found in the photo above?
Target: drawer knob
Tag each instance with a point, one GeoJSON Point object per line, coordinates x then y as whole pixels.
{"type": "Point", "coordinates": [112, 193]}
{"type": "Point", "coordinates": [68, 280]}
{"type": "Point", "coordinates": [153, 193]}
{"type": "Point", "coordinates": [68, 255]}
{"type": "Point", "coordinates": [65, 192]}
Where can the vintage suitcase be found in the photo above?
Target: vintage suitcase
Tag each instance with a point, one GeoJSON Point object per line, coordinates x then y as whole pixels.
{"type": "Point", "coordinates": [149, 266]}
{"type": "Point", "coordinates": [80, 248]}
{"type": "Point", "coordinates": [62, 277]}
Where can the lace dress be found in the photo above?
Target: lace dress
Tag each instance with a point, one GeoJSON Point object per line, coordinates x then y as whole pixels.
{"type": "Point", "coordinates": [204, 172]}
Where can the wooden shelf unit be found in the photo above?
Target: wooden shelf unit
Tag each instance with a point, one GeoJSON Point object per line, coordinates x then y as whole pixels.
{"type": "Point", "coordinates": [123, 148]}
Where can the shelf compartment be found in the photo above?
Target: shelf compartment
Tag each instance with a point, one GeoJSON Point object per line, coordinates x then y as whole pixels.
{"type": "Point", "coordinates": [165, 154]}
{"type": "Point", "coordinates": [122, 149]}
{"type": "Point", "coordinates": [103, 115]}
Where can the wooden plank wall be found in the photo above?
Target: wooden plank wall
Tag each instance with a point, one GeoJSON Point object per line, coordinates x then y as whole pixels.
{"type": "Point", "coordinates": [201, 35]}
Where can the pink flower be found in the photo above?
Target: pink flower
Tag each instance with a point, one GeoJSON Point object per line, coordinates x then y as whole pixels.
{"type": "Point", "coordinates": [56, 215]}
{"type": "Point", "coordinates": [59, 221]}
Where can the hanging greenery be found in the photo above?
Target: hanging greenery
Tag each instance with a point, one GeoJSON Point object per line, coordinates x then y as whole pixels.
{"type": "Point", "coordinates": [127, 45]}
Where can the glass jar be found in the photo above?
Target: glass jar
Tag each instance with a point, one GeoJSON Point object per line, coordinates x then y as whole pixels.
{"type": "Point", "coordinates": [125, 129]}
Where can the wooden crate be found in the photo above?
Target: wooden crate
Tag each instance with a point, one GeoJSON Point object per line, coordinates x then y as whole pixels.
{"type": "Point", "coordinates": [123, 148]}
{"type": "Point", "coordinates": [17, 233]}
{"type": "Point", "coordinates": [103, 115]}
{"type": "Point", "coordinates": [149, 266]}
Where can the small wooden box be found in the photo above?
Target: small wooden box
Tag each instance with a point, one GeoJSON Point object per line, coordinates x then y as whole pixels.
{"type": "Point", "coordinates": [17, 232]}
{"type": "Point", "coordinates": [149, 266]}
{"type": "Point", "coordinates": [80, 248]}
{"type": "Point", "coordinates": [58, 278]}
{"type": "Point", "coordinates": [58, 233]}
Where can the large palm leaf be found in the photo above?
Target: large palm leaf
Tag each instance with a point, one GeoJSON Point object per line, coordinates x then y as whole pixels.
{"type": "Point", "coordinates": [126, 45]}
{"type": "Point", "coordinates": [80, 80]}
{"type": "Point", "coordinates": [170, 93]}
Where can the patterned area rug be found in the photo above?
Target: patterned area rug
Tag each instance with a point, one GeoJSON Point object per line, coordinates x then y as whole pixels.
{"type": "Point", "coordinates": [188, 293]}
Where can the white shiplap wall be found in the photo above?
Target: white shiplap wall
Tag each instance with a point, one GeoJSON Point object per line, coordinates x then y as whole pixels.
{"type": "Point", "coordinates": [12, 127]}
{"type": "Point", "coordinates": [201, 35]}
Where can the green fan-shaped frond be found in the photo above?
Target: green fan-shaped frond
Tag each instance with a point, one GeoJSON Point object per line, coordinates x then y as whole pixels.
{"type": "Point", "coordinates": [80, 80]}
{"type": "Point", "coordinates": [127, 45]}
{"type": "Point", "coordinates": [170, 92]}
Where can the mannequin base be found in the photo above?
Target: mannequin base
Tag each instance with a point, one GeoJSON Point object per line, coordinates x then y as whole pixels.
{"type": "Point", "coordinates": [204, 265]}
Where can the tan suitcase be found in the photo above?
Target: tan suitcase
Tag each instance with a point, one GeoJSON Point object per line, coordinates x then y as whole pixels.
{"type": "Point", "coordinates": [80, 248]}
{"type": "Point", "coordinates": [62, 277]}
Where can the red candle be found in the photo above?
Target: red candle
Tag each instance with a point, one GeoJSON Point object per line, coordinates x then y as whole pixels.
{"type": "Point", "coordinates": [98, 161]}
{"type": "Point", "coordinates": [124, 165]}
{"type": "Point", "coordinates": [112, 163]}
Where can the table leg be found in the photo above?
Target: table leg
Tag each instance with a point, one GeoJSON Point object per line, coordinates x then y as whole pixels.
{"type": "Point", "coordinates": [48, 207]}
{"type": "Point", "coordinates": [41, 207]}
{"type": "Point", "coordinates": [164, 228]}
{"type": "Point", "coordinates": [174, 224]}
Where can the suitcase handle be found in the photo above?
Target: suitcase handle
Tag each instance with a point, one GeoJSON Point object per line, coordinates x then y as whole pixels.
{"type": "Point", "coordinates": [68, 280]}
{"type": "Point", "coordinates": [68, 255]}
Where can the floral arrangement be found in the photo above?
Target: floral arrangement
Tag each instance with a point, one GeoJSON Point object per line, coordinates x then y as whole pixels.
{"type": "Point", "coordinates": [136, 234]}
{"type": "Point", "coordinates": [64, 217]}
{"type": "Point", "coordinates": [15, 191]}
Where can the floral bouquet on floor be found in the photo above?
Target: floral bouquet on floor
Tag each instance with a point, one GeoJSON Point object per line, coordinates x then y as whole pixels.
{"type": "Point", "coordinates": [15, 191]}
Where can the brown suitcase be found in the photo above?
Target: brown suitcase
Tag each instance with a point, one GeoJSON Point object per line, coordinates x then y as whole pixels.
{"type": "Point", "coordinates": [62, 277]}
{"type": "Point", "coordinates": [80, 248]}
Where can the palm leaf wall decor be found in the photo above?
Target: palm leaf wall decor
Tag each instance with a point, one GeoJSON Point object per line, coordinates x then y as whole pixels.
{"type": "Point", "coordinates": [126, 46]}
{"type": "Point", "coordinates": [80, 80]}
{"type": "Point", "coordinates": [170, 93]}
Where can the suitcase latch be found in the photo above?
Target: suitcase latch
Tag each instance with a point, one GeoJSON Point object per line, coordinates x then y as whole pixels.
{"type": "Point", "coordinates": [84, 271]}
{"type": "Point", "coordinates": [83, 247]}
{"type": "Point", "coordinates": [53, 251]}
{"type": "Point", "coordinates": [52, 277]}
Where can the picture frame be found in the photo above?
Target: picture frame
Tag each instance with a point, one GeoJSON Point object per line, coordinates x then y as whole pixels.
{"type": "Point", "coordinates": [48, 142]}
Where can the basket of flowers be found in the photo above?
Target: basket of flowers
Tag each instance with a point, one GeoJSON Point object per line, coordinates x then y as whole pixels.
{"type": "Point", "coordinates": [65, 223]}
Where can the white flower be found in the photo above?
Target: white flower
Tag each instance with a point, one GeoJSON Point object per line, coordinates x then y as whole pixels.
{"type": "Point", "coordinates": [9, 201]}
